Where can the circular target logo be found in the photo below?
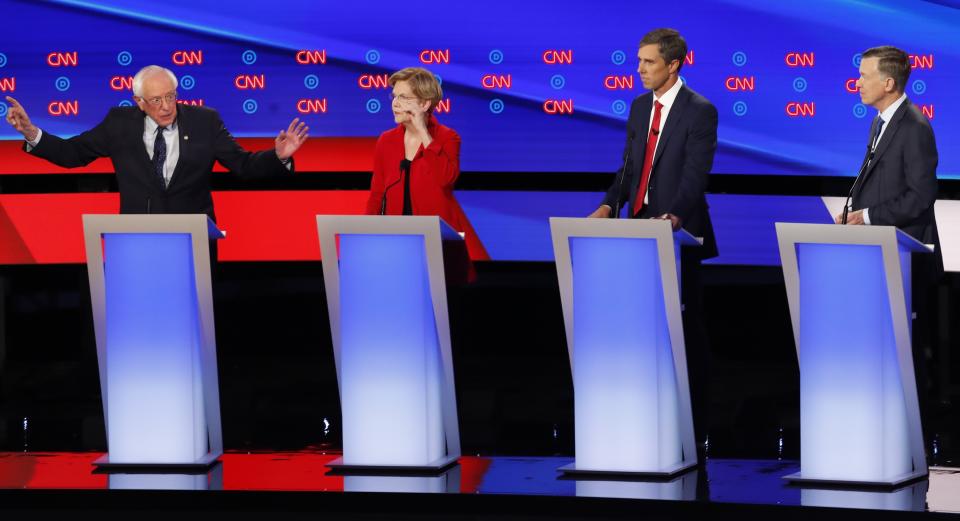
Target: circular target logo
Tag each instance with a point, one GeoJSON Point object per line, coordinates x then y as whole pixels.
{"type": "Point", "coordinates": [372, 57]}
{"type": "Point", "coordinates": [740, 108]}
{"type": "Point", "coordinates": [62, 83]}
{"type": "Point", "coordinates": [856, 60]}
{"type": "Point", "coordinates": [125, 103]}
{"type": "Point", "coordinates": [799, 84]}
{"type": "Point", "coordinates": [439, 79]}
{"type": "Point", "coordinates": [496, 56]}
{"type": "Point", "coordinates": [739, 58]}
{"type": "Point", "coordinates": [919, 87]}
{"type": "Point", "coordinates": [557, 81]}
{"type": "Point", "coordinates": [250, 106]}
{"type": "Point", "coordinates": [618, 57]}
{"type": "Point", "coordinates": [188, 82]}
{"type": "Point", "coordinates": [124, 58]}
{"type": "Point", "coordinates": [373, 106]}
{"type": "Point", "coordinates": [860, 111]}
{"type": "Point", "coordinates": [3, 109]}
{"type": "Point", "coordinates": [311, 81]}
{"type": "Point", "coordinates": [619, 107]}
{"type": "Point", "coordinates": [497, 106]}
{"type": "Point", "coordinates": [249, 57]}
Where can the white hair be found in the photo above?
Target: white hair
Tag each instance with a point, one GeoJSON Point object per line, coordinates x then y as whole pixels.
{"type": "Point", "coordinates": [151, 70]}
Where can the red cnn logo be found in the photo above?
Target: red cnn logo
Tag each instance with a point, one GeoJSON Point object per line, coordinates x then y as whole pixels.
{"type": "Point", "coordinates": [312, 106]}
{"type": "Point", "coordinates": [496, 81]}
{"type": "Point", "coordinates": [618, 82]}
{"type": "Point", "coordinates": [927, 110]}
{"type": "Point", "coordinates": [62, 59]}
{"type": "Point", "coordinates": [734, 83]}
{"type": "Point", "coordinates": [557, 57]}
{"type": "Point", "coordinates": [921, 61]}
{"type": "Point", "coordinates": [8, 84]}
{"type": "Point", "coordinates": [562, 106]}
{"type": "Point", "coordinates": [688, 59]}
{"type": "Point", "coordinates": [851, 86]}
{"type": "Point", "coordinates": [373, 81]}
{"type": "Point", "coordinates": [64, 108]}
{"type": "Point", "coordinates": [187, 57]}
{"type": "Point", "coordinates": [194, 102]}
{"type": "Point", "coordinates": [308, 57]}
{"type": "Point", "coordinates": [250, 81]}
{"type": "Point", "coordinates": [796, 109]}
{"type": "Point", "coordinates": [443, 106]}
{"type": "Point", "coordinates": [799, 59]}
{"type": "Point", "coordinates": [121, 83]}
{"type": "Point", "coordinates": [435, 56]}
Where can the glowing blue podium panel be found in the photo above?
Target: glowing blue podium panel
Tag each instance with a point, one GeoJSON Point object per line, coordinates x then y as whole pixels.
{"type": "Point", "coordinates": [153, 319]}
{"type": "Point", "coordinates": [849, 294]}
{"type": "Point", "coordinates": [620, 290]}
{"type": "Point", "coordinates": [386, 295]}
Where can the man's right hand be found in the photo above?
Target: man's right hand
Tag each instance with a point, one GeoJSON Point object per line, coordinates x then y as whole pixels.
{"type": "Point", "coordinates": [18, 118]}
{"type": "Point", "coordinates": [603, 212]}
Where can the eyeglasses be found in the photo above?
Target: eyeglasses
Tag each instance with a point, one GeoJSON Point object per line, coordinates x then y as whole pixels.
{"type": "Point", "coordinates": [402, 97]}
{"type": "Point", "coordinates": [158, 100]}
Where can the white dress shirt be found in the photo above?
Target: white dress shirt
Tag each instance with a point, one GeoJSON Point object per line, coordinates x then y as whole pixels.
{"type": "Point", "coordinates": [667, 101]}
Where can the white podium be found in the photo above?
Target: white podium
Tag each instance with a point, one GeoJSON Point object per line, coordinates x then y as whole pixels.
{"type": "Point", "coordinates": [620, 290]}
{"type": "Point", "coordinates": [387, 299]}
{"type": "Point", "coordinates": [849, 293]}
{"type": "Point", "coordinates": [153, 320]}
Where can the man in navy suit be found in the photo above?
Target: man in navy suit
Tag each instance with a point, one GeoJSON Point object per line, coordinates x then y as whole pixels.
{"type": "Point", "coordinates": [897, 186]}
{"type": "Point", "coordinates": [671, 141]}
{"type": "Point", "coordinates": [163, 152]}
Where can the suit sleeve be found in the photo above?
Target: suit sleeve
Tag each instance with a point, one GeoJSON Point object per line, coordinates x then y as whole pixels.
{"type": "Point", "coordinates": [697, 162]}
{"type": "Point", "coordinates": [245, 164]}
{"type": "Point", "coordinates": [77, 151]}
{"type": "Point", "coordinates": [443, 160]}
{"type": "Point", "coordinates": [377, 181]}
{"type": "Point", "coordinates": [920, 174]}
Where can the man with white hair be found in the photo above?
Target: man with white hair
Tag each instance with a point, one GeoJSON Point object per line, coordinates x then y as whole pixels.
{"type": "Point", "coordinates": [163, 152]}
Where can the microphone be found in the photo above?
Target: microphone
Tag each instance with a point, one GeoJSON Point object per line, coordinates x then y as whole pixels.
{"type": "Point", "coordinates": [383, 200]}
{"type": "Point", "coordinates": [863, 168]}
{"type": "Point", "coordinates": [623, 173]}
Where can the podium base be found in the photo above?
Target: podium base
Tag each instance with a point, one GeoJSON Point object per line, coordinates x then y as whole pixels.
{"type": "Point", "coordinates": [433, 468]}
{"type": "Point", "coordinates": [894, 482]}
{"type": "Point", "coordinates": [663, 473]}
{"type": "Point", "coordinates": [202, 464]}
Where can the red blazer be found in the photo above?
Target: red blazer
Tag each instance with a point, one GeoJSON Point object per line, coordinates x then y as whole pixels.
{"type": "Point", "coordinates": [433, 172]}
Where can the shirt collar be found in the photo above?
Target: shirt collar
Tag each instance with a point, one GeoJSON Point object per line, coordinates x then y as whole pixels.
{"type": "Point", "coordinates": [670, 96]}
{"type": "Point", "coordinates": [888, 113]}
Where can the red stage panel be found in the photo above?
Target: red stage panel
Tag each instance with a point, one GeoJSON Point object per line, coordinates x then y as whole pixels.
{"type": "Point", "coordinates": [318, 154]}
{"type": "Point", "coordinates": [261, 226]}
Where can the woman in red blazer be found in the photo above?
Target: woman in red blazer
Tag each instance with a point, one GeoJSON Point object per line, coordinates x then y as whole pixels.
{"type": "Point", "coordinates": [417, 162]}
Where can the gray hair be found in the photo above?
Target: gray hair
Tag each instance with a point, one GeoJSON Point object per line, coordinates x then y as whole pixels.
{"type": "Point", "coordinates": [151, 70]}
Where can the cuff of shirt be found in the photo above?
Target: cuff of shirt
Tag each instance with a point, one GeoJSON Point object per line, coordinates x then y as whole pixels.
{"type": "Point", "coordinates": [36, 141]}
{"type": "Point", "coordinates": [866, 216]}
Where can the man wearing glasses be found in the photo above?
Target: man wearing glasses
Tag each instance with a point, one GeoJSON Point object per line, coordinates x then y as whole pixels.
{"type": "Point", "coordinates": [163, 152]}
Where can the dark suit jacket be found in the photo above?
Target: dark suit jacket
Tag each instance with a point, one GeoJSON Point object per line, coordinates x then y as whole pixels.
{"type": "Point", "coordinates": [900, 185]}
{"type": "Point", "coordinates": [203, 140]}
{"type": "Point", "coordinates": [683, 159]}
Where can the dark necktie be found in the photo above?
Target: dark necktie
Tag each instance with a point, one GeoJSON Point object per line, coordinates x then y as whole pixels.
{"type": "Point", "coordinates": [648, 158]}
{"type": "Point", "coordinates": [160, 155]}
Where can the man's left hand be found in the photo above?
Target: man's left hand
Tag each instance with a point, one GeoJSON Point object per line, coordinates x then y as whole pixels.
{"type": "Point", "coordinates": [675, 221]}
{"type": "Point", "coordinates": [288, 141]}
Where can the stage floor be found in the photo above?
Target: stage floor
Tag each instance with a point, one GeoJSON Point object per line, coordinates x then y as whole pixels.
{"type": "Point", "coordinates": [722, 481]}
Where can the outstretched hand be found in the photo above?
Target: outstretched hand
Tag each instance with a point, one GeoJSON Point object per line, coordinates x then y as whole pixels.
{"type": "Point", "coordinates": [289, 140]}
{"type": "Point", "coordinates": [18, 118]}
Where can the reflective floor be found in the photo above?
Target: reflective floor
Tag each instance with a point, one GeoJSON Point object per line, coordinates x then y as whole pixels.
{"type": "Point", "coordinates": [756, 482]}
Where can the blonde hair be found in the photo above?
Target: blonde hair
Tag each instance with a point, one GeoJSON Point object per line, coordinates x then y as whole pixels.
{"type": "Point", "coordinates": [422, 82]}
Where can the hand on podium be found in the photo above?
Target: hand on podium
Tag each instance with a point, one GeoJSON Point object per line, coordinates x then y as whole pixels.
{"type": "Point", "coordinates": [604, 212]}
{"type": "Point", "coordinates": [852, 218]}
{"type": "Point", "coordinates": [675, 221]}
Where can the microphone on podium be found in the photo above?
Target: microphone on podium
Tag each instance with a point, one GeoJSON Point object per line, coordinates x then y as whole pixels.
{"type": "Point", "coordinates": [623, 173]}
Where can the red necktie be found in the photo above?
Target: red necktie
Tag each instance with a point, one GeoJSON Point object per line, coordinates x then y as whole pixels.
{"type": "Point", "coordinates": [648, 158]}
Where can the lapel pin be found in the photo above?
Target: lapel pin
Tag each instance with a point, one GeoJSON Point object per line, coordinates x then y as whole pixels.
{"type": "Point", "coordinates": [185, 138]}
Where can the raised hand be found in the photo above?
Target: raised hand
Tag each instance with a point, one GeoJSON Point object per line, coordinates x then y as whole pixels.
{"type": "Point", "coordinates": [18, 119]}
{"type": "Point", "coordinates": [289, 140]}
